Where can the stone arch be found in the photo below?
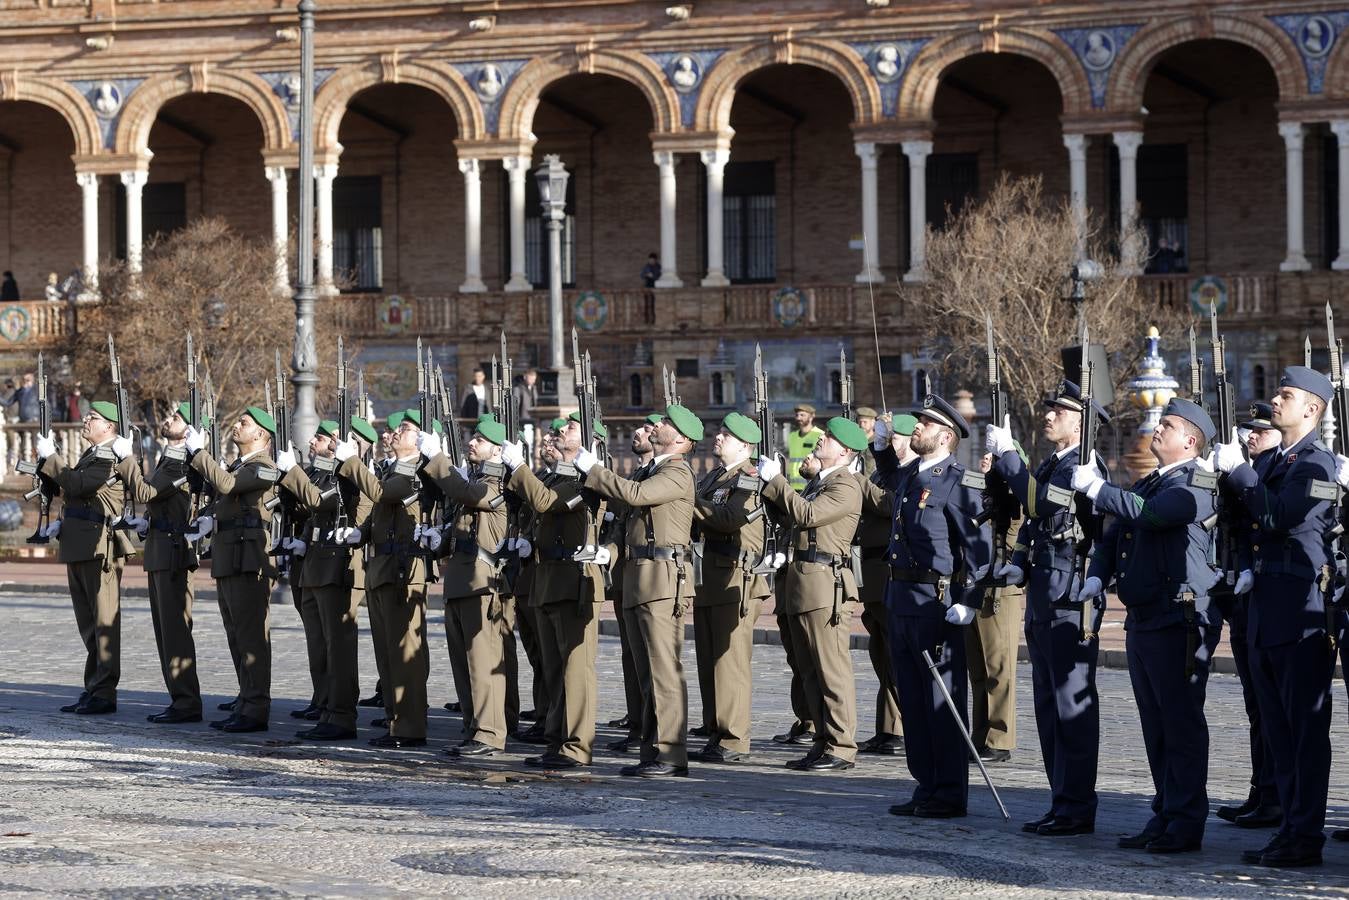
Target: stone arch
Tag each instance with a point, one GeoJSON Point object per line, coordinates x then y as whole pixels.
{"type": "Point", "coordinates": [718, 91]}
{"type": "Point", "coordinates": [1129, 75]}
{"type": "Point", "coordinates": [63, 98]}
{"type": "Point", "coordinates": [144, 104]}
{"type": "Point", "coordinates": [522, 96]}
{"type": "Point", "coordinates": [330, 105]}
{"type": "Point", "coordinates": [919, 89]}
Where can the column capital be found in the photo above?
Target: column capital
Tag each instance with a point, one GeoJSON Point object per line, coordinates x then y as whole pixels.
{"type": "Point", "coordinates": [86, 179]}
{"type": "Point", "coordinates": [495, 149]}
{"type": "Point", "coordinates": [1076, 144]}
{"type": "Point", "coordinates": [916, 151]}
{"type": "Point", "coordinates": [325, 171]}
{"type": "Point", "coordinates": [517, 164]}
{"type": "Point", "coordinates": [1293, 133]}
{"type": "Point", "coordinates": [718, 156]}
{"type": "Point", "coordinates": [275, 174]}
{"type": "Point", "coordinates": [135, 177]}
{"type": "Point", "coordinates": [469, 167]}
{"type": "Point", "coordinates": [665, 159]}
{"type": "Point", "coordinates": [690, 141]}
{"type": "Point", "coordinates": [867, 151]}
{"type": "Point", "coordinates": [1128, 142]}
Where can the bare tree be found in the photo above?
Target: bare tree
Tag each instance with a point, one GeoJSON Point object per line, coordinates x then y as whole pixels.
{"type": "Point", "coordinates": [214, 283]}
{"type": "Point", "coordinates": [1008, 257]}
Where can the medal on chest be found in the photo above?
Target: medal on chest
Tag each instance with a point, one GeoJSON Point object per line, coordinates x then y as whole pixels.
{"type": "Point", "coordinates": [922, 498]}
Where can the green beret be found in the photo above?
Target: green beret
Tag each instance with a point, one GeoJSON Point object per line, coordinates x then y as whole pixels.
{"type": "Point", "coordinates": [743, 427]}
{"type": "Point", "coordinates": [263, 418]}
{"type": "Point", "coordinates": [600, 431]}
{"type": "Point", "coordinates": [685, 422]}
{"type": "Point", "coordinates": [848, 433]}
{"type": "Point", "coordinates": [184, 410]}
{"type": "Point", "coordinates": [655, 419]}
{"type": "Point", "coordinates": [559, 424]}
{"type": "Point", "coordinates": [493, 430]}
{"type": "Point", "coordinates": [414, 416]}
{"type": "Point", "coordinates": [437, 427]}
{"type": "Point", "coordinates": [105, 409]}
{"type": "Point", "coordinates": [364, 429]}
{"type": "Point", "coordinates": [330, 428]}
{"type": "Point", "coordinates": [904, 424]}
{"type": "Point", "coordinates": [395, 419]}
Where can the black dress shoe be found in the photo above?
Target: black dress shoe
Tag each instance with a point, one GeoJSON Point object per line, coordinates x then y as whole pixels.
{"type": "Point", "coordinates": [381, 722]}
{"type": "Point", "coordinates": [229, 705]}
{"type": "Point", "coordinates": [219, 724]}
{"type": "Point", "coordinates": [936, 810]}
{"type": "Point", "coordinates": [1231, 813]}
{"type": "Point", "coordinates": [990, 755]}
{"type": "Point", "coordinates": [1033, 825]}
{"type": "Point", "coordinates": [244, 725]}
{"type": "Point", "coordinates": [1254, 856]}
{"type": "Point", "coordinates": [887, 744]}
{"type": "Point", "coordinates": [826, 762]}
{"type": "Point", "coordinates": [1261, 817]}
{"type": "Point", "coordinates": [327, 731]}
{"type": "Point", "coordinates": [624, 745]}
{"type": "Point", "coordinates": [532, 735]}
{"type": "Point", "coordinates": [1138, 841]}
{"type": "Point", "coordinates": [623, 722]}
{"type": "Point", "coordinates": [1292, 855]}
{"type": "Point", "coordinates": [1170, 843]}
{"type": "Point", "coordinates": [904, 809]}
{"type": "Point", "coordinates": [715, 753]}
{"type": "Point", "coordinates": [1066, 827]}
{"type": "Point", "coordinates": [453, 707]}
{"type": "Point", "coordinates": [801, 764]}
{"type": "Point", "coordinates": [173, 716]}
{"type": "Point", "coordinates": [79, 701]}
{"type": "Point", "coordinates": [471, 748]}
{"type": "Point", "coordinates": [394, 742]}
{"type": "Point", "coordinates": [304, 713]}
{"type": "Point", "coordinates": [375, 699]}
{"type": "Point", "coordinates": [96, 706]}
{"type": "Point", "coordinates": [701, 731]}
{"type": "Point", "coordinates": [1341, 835]}
{"type": "Point", "coordinates": [553, 761]}
{"type": "Point", "coordinates": [799, 738]}
{"type": "Point", "coordinates": [654, 768]}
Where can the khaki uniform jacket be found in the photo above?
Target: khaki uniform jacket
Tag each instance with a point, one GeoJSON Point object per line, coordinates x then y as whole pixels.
{"type": "Point", "coordinates": [89, 485]}
{"type": "Point", "coordinates": [327, 563]}
{"type": "Point", "coordinates": [167, 504]}
{"type": "Point", "coordinates": [465, 572]}
{"type": "Point", "coordinates": [662, 516]}
{"type": "Point", "coordinates": [831, 508]}
{"type": "Point", "coordinates": [557, 527]}
{"type": "Point", "coordinates": [241, 497]}
{"type": "Point", "coordinates": [722, 510]}
{"type": "Point", "coordinates": [395, 558]}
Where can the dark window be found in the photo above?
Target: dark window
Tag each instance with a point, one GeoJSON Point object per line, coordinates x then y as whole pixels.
{"type": "Point", "coordinates": [718, 390]}
{"type": "Point", "coordinates": [358, 257]}
{"type": "Point", "coordinates": [1163, 206]}
{"type": "Point", "coordinates": [892, 365]}
{"type": "Point", "coordinates": [536, 235]}
{"type": "Point", "coordinates": [1259, 386]}
{"type": "Point", "coordinates": [952, 181]}
{"type": "Point", "coordinates": [749, 222]}
{"type": "Point", "coordinates": [835, 388]}
{"type": "Point", "coordinates": [1330, 200]}
{"type": "Point", "coordinates": [163, 211]}
{"type": "Point", "coordinates": [686, 368]}
{"type": "Point", "coordinates": [634, 389]}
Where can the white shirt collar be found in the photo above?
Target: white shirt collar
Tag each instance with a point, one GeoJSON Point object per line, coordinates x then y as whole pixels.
{"type": "Point", "coordinates": [409, 456]}
{"type": "Point", "coordinates": [825, 473]}
{"type": "Point", "coordinates": [244, 459]}
{"type": "Point", "coordinates": [660, 459]}
{"type": "Point", "coordinates": [1060, 454]}
{"type": "Point", "coordinates": [1164, 469]}
{"type": "Point", "coordinates": [927, 464]}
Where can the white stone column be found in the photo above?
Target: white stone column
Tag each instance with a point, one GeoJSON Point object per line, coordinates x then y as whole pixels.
{"type": "Point", "coordinates": [715, 163]}
{"type": "Point", "coordinates": [1341, 129]}
{"type": "Point", "coordinates": [1128, 143]}
{"type": "Point", "coordinates": [473, 283]}
{"type": "Point", "coordinates": [88, 182]}
{"type": "Point", "coordinates": [1293, 133]}
{"type": "Point", "coordinates": [871, 269]}
{"type": "Point", "coordinates": [134, 181]}
{"type": "Point", "coordinates": [323, 211]}
{"type": "Point", "coordinates": [917, 152]}
{"type": "Point", "coordinates": [1077, 186]}
{"type": "Point", "coordinates": [669, 246]}
{"type": "Point", "coordinates": [517, 169]}
{"type": "Point", "coordinates": [280, 227]}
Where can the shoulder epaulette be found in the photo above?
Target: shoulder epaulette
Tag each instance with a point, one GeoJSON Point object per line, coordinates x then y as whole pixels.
{"type": "Point", "coordinates": [493, 470]}
{"type": "Point", "coordinates": [974, 480]}
{"type": "Point", "coordinates": [105, 454]}
{"type": "Point", "coordinates": [1204, 480]}
{"type": "Point", "coordinates": [747, 482]}
{"type": "Point", "coordinates": [1323, 490]}
{"type": "Point", "coordinates": [178, 454]}
{"type": "Point", "coordinates": [267, 473]}
{"type": "Point", "coordinates": [407, 467]}
{"type": "Point", "coordinates": [566, 470]}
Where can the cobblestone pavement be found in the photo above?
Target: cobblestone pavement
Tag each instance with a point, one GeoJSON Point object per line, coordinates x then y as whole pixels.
{"type": "Point", "coordinates": [116, 807]}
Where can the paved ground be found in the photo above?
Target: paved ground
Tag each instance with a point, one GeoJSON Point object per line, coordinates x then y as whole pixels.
{"type": "Point", "coordinates": [117, 807]}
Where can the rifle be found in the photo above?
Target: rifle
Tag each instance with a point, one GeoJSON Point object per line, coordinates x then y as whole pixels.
{"type": "Point", "coordinates": [447, 420]}
{"type": "Point", "coordinates": [999, 501]}
{"type": "Point", "coordinates": [44, 489]}
{"type": "Point", "coordinates": [328, 463]}
{"type": "Point", "coordinates": [1087, 457]}
{"type": "Point", "coordinates": [845, 390]}
{"type": "Point", "coordinates": [1340, 403]}
{"type": "Point", "coordinates": [427, 493]}
{"type": "Point", "coordinates": [1307, 351]}
{"type": "Point", "coordinates": [509, 413]}
{"type": "Point", "coordinates": [213, 448]}
{"type": "Point", "coordinates": [1197, 371]}
{"type": "Point", "coordinates": [123, 430]}
{"type": "Point", "coordinates": [763, 415]}
{"type": "Point", "coordinates": [282, 525]}
{"type": "Point", "coordinates": [1227, 419]}
{"type": "Point", "coordinates": [362, 399]}
{"type": "Point", "coordinates": [587, 411]}
{"type": "Point", "coordinates": [670, 383]}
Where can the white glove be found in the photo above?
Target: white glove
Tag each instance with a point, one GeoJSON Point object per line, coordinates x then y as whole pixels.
{"type": "Point", "coordinates": [53, 530]}
{"type": "Point", "coordinates": [278, 544]}
{"type": "Point", "coordinates": [1086, 480]}
{"type": "Point", "coordinates": [143, 530]}
{"type": "Point", "coordinates": [998, 438]}
{"type": "Point", "coordinates": [523, 548]}
{"type": "Point", "coordinates": [1013, 575]}
{"type": "Point", "coordinates": [1092, 587]}
{"type": "Point", "coordinates": [779, 560]}
{"type": "Point", "coordinates": [608, 516]}
{"type": "Point", "coordinates": [513, 454]}
{"type": "Point", "coordinates": [137, 522]}
{"type": "Point", "coordinates": [345, 450]}
{"type": "Point", "coordinates": [121, 447]}
{"type": "Point", "coordinates": [980, 574]}
{"type": "Point", "coordinates": [350, 536]}
{"type": "Point", "coordinates": [880, 434]}
{"type": "Point", "coordinates": [463, 472]}
{"type": "Point", "coordinates": [1245, 581]}
{"type": "Point", "coordinates": [285, 460]}
{"type": "Point", "coordinates": [202, 527]}
{"type": "Point", "coordinates": [45, 446]}
{"type": "Point", "coordinates": [1228, 456]}
{"type": "Point", "coordinates": [194, 440]}
{"type": "Point", "coordinates": [1205, 462]}
{"type": "Point", "coordinates": [296, 546]}
{"type": "Point", "coordinates": [1342, 471]}
{"type": "Point", "coordinates": [769, 469]}
{"type": "Point", "coordinates": [602, 556]}
{"type": "Point", "coordinates": [428, 442]}
{"type": "Point", "coordinates": [585, 460]}
{"type": "Point", "coordinates": [958, 614]}
{"type": "Point", "coordinates": [431, 539]}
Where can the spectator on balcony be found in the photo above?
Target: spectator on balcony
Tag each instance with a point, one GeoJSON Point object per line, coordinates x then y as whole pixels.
{"type": "Point", "coordinates": [77, 405]}
{"type": "Point", "coordinates": [53, 289]}
{"type": "Point", "coordinates": [651, 271]}
{"type": "Point", "coordinates": [9, 288]}
{"type": "Point", "coordinates": [25, 398]}
{"type": "Point", "coordinates": [475, 399]}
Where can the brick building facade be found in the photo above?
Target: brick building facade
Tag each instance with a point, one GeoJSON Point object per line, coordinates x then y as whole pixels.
{"type": "Point", "coordinates": [817, 136]}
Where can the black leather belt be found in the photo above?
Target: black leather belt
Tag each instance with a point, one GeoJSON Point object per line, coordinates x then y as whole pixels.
{"type": "Point", "coordinates": [169, 527]}
{"type": "Point", "coordinates": [249, 521]}
{"type": "Point", "coordinates": [87, 514]}
{"type": "Point", "coordinates": [553, 554]}
{"type": "Point", "coordinates": [666, 553]}
{"type": "Point", "coordinates": [390, 548]}
{"type": "Point", "coordinates": [918, 576]}
{"type": "Point", "coordinates": [869, 553]}
{"type": "Point", "coordinates": [819, 556]}
{"type": "Point", "coordinates": [723, 548]}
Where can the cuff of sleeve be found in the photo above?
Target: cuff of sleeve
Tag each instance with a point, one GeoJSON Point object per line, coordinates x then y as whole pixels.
{"type": "Point", "coordinates": [1243, 477]}
{"type": "Point", "coordinates": [1094, 490]}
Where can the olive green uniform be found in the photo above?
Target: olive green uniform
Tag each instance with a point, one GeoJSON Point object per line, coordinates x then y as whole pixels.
{"type": "Point", "coordinates": [614, 536]}
{"type": "Point", "coordinates": [873, 537]}
{"type": "Point", "coordinates": [990, 653]}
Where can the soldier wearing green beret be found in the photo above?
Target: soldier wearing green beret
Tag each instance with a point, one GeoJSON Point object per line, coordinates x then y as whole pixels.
{"type": "Point", "coordinates": [526, 614]}
{"type": "Point", "coordinates": [657, 583]}
{"type": "Point", "coordinates": [239, 562]}
{"type": "Point", "coordinates": [395, 577]}
{"type": "Point", "coordinates": [728, 599]}
{"type": "Point", "coordinates": [169, 560]}
{"type": "Point", "coordinates": [92, 551]}
{"type": "Point", "coordinates": [478, 612]}
{"type": "Point", "coordinates": [820, 588]}
{"type": "Point", "coordinates": [331, 580]}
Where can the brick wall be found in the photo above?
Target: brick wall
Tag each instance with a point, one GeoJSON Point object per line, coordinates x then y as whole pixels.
{"type": "Point", "coordinates": [39, 199]}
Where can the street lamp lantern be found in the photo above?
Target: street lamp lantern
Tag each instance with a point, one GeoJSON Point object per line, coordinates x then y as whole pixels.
{"type": "Point", "coordinates": [552, 178]}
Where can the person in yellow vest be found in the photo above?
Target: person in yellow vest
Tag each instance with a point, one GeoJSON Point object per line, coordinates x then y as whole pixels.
{"type": "Point", "coordinates": [800, 442]}
{"type": "Point", "coordinates": [92, 550]}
